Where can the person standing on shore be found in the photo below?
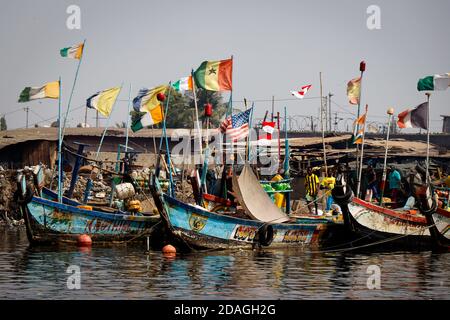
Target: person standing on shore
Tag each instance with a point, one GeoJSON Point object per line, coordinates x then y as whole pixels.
{"type": "Point", "coordinates": [312, 185]}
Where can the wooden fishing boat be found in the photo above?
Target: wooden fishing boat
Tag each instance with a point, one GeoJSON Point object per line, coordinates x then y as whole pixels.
{"type": "Point", "coordinates": [203, 229]}
{"type": "Point", "coordinates": [375, 225]}
{"type": "Point", "coordinates": [439, 223]}
{"type": "Point", "coordinates": [48, 221]}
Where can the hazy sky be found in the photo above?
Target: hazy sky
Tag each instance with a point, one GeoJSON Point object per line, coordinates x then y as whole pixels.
{"type": "Point", "coordinates": [277, 47]}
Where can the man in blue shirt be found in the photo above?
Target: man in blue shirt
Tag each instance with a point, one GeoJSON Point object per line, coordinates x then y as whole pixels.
{"type": "Point", "coordinates": [394, 184]}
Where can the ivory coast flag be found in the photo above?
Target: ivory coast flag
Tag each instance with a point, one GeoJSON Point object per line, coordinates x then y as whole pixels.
{"type": "Point", "coordinates": [74, 52]}
{"type": "Point", "coordinates": [183, 84]}
{"type": "Point", "coordinates": [215, 75]}
{"type": "Point", "coordinates": [103, 101]}
{"type": "Point", "coordinates": [49, 90]}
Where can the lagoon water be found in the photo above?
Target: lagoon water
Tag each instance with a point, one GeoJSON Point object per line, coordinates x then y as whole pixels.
{"type": "Point", "coordinates": [132, 273]}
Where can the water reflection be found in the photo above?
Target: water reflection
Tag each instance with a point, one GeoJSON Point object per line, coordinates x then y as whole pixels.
{"type": "Point", "coordinates": [130, 273]}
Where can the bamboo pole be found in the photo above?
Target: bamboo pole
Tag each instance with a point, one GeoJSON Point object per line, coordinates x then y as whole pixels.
{"type": "Point", "coordinates": [322, 124]}
{"type": "Point", "coordinates": [59, 145]}
{"type": "Point", "coordinates": [196, 116]}
{"type": "Point", "coordinates": [362, 154]}
{"type": "Point", "coordinates": [362, 68]}
{"type": "Point", "coordinates": [128, 120]}
{"type": "Point", "coordinates": [427, 174]}
{"type": "Point", "coordinates": [390, 112]}
{"type": "Point", "coordinates": [73, 89]}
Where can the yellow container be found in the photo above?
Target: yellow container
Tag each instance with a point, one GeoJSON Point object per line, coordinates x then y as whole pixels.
{"type": "Point", "coordinates": [85, 207]}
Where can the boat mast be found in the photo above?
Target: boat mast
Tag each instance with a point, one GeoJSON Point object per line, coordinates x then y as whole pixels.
{"type": "Point", "coordinates": [390, 112]}
{"type": "Point", "coordinates": [322, 124]}
{"type": "Point", "coordinates": [362, 154]}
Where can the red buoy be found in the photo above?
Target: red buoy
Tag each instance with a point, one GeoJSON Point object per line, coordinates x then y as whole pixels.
{"type": "Point", "coordinates": [168, 248]}
{"type": "Point", "coordinates": [208, 109]}
{"type": "Point", "coordinates": [161, 97]}
{"type": "Point", "coordinates": [84, 240]}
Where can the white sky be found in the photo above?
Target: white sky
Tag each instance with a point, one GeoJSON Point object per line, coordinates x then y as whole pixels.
{"type": "Point", "coordinates": [277, 47]}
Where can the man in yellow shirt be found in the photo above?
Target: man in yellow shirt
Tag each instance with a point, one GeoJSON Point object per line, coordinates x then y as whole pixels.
{"type": "Point", "coordinates": [312, 185]}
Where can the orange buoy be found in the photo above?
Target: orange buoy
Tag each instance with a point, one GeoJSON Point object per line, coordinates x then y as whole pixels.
{"type": "Point", "coordinates": [169, 249]}
{"type": "Point", "coordinates": [84, 240]}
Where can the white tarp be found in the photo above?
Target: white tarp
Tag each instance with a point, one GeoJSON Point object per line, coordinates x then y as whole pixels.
{"type": "Point", "coordinates": [254, 199]}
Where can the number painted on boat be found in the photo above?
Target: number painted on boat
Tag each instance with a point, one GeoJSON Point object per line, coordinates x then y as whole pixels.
{"type": "Point", "coordinates": [244, 233]}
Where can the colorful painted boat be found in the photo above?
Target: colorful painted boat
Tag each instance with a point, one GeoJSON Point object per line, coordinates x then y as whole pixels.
{"type": "Point", "coordinates": [439, 222]}
{"type": "Point", "coordinates": [199, 228]}
{"type": "Point", "coordinates": [48, 221]}
{"type": "Point", "coordinates": [375, 225]}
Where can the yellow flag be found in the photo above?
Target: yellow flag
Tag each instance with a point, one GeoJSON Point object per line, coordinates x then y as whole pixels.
{"type": "Point", "coordinates": [353, 90]}
{"type": "Point", "coordinates": [104, 100]}
{"type": "Point", "coordinates": [147, 99]}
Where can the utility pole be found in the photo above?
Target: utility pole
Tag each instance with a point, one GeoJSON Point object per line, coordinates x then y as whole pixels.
{"type": "Point", "coordinates": [335, 121]}
{"type": "Point", "coordinates": [27, 109]}
{"type": "Point", "coordinates": [96, 120]}
{"type": "Point", "coordinates": [329, 109]}
{"type": "Point", "coordinates": [85, 117]}
{"type": "Point", "coordinates": [273, 106]}
{"type": "Point", "coordinates": [312, 124]}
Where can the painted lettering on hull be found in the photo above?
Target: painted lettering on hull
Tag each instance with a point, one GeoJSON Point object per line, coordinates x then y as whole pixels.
{"type": "Point", "coordinates": [244, 233]}
{"type": "Point", "coordinates": [295, 236]}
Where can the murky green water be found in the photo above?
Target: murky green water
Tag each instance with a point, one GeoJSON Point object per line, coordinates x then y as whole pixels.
{"type": "Point", "coordinates": [130, 273]}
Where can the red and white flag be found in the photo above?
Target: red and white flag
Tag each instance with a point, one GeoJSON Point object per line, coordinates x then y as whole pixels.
{"type": "Point", "coordinates": [265, 137]}
{"type": "Point", "coordinates": [301, 93]}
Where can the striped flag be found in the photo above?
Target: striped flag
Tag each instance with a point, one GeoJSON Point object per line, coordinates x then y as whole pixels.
{"type": "Point", "coordinates": [48, 90]}
{"type": "Point", "coordinates": [268, 127]}
{"type": "Point", "coordinates": [236, 126]}
{"type": "Point", "coordinates": [415, 118]}
{"type": "Point", "coordinates": [359, 128]}
{"type": "Point", "coordinates": [74, 52]}
{"type": "Point", "coordinates": [103, 101]}
{"type": "Point", "coordinates": [183, 84]}
{"type": "Point", "coordinates": [301, 93]}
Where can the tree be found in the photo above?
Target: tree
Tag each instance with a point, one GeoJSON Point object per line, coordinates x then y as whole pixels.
{"type": "Point", "coordinates": [3, 125]}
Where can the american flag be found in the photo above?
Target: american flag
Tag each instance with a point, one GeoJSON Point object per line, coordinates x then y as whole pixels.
{"type": "Point", "coordinates": [236, 126]}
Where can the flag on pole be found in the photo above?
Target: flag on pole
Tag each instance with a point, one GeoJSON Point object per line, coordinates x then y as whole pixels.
{"type": "Point", "coordinates": [147, 99]}
{"type": "Point", "coordinates": [353, 90]}
{"type": "Point", "coordinates": [183, 84]}
{"type": "Point", "coordinates": [301, 93]}
{"type": "Point", "coordinates": [358, 129]}
{"type": "Point", "coordinates": [415, 118]}
{"type": "Point", "coordinates": [74, 52]}
{"type": "Point", "coordinates": [265, 138]}
{"type": "Point", "coordinates": [215, 75]}
{"type": "Point", "coordinates": [236, 126]}
{"type": "Point", "coordinates": [436, 82]}
{"type": "Point", "coordinates": [147, 119]}
{"type": "Point", "coordinates": [48, 90]}
{"type": "Point", "coordinates": [103, 101]}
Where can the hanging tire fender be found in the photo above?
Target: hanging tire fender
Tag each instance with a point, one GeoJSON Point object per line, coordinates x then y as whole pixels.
{"type": "Point", "coordinates": [265, 235]}
{"type": "Point", "coordinates": [430, 211]}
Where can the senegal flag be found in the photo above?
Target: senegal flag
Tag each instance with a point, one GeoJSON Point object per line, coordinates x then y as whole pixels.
{"type": "Point", "coordinates": [214, 75]}
{"type": "Point", "coordinates": [48, 90]}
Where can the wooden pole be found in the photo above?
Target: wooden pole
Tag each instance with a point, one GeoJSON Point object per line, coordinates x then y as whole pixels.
{"type": "Point", "coordinates": [362, 155]}
{"type": "Point", "coordinates": [362, 68]}
{"type": "Point", "coordinates": [427, 174]}
{"type": "Point", "coordinates": [383, 181]}
{"type": "Point", "coordinates": [199, 132]}
{"type": "Point", "coordinates": [73, 88]}
{"type": "Point", "coordinates": [128, 119]}
{"type": "Point", "coordinates": [59, 146]}
{"type": "Point", "coordinates": [322, 124]}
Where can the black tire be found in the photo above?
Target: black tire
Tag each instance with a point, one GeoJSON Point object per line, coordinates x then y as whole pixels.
{"type": "Point", "coordinates": [265, 235]}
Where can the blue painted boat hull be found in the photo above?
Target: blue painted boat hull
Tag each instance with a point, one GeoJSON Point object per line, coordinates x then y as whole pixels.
{"type": "Point", "coordinates": [202, 229]}
{"type": "Point", "coordinates": [48, 221]}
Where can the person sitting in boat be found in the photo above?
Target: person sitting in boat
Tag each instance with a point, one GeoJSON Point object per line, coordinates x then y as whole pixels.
{"type": "Point", "coordinates": [394, 185]}
{"type": "Point", "coordinates": [372, 182]}
{"type": "Point", "coordinates": [312, 184]}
